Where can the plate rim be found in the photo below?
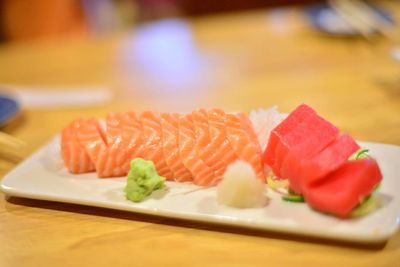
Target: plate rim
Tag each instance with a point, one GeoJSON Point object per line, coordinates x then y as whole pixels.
{"type": "Point", "coordinates": [359, 238]}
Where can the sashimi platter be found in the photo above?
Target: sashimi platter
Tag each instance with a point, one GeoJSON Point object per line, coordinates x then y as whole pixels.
{"type": "Point", "coordinates": [293, 173]}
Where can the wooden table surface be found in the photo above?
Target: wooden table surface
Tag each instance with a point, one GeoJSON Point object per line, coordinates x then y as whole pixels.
{"type": "Point", "coordinates": [237, 61]}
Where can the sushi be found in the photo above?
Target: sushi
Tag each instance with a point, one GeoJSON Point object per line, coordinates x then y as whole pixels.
{"type": "Point", "coordinates": [195, 147]}
{"type": "Point", "coordinates": [210, 146]}
{"type": "Point", "coordinates": [314, 157]}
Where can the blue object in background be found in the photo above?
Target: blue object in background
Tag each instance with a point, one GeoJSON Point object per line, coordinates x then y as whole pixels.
{"type": "Point", "coordinates": [325, 19]}
{"type": "Point", "coordinates": [9, 108]}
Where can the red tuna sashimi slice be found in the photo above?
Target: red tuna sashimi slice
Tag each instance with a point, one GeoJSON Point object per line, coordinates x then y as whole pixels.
{"type": "Point", "coordinates": [153, 146]}
{"type": "Point", "coordinates": [309, 170]}
{"type": "Point", "coordinates": [309, 138]}
{"type": "Point", "coordinates": [202, 174]}
{"type": "Point", "coordinates": [342, 190]}
{"type": "Point", "coordinates": [243, 146]}
{"type": "Point", "coordinates": [169, 132]}
{"type": "Point", "coordinates": [219, 150]}
{"type": "Point", "coordinates": [270, 157]}
{"type": "Point", "coordinates": [73, 153]}
{"type": "Point", "coordinates": [203, 143]}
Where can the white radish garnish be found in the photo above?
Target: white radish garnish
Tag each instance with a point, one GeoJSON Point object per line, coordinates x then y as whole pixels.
{"type": "Point", "coordinates": [240, 187]}
{"type": "Point", "coordinates": [264, 121]}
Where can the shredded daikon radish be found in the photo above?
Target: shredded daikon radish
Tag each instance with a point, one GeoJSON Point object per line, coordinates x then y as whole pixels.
{"type": "Point", "coordinates": [264, 120]}
{"type": "Point", "coordinates": [240, 187]}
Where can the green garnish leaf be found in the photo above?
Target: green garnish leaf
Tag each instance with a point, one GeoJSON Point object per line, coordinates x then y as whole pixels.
{"type": "Point", "coordinates": [360, 154]}
{"type": "Point", "coordinates": [293, 197]}
{"type": "Point", "coordinates": [377, 186]}
{"type": "Point", "coordinates": [276, 184]}
{"type": "Point", "coordinates": [368, 205]}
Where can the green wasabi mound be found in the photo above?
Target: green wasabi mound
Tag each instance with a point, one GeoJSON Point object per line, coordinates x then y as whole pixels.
{"type": "Point", "coordinates": [142, 180]}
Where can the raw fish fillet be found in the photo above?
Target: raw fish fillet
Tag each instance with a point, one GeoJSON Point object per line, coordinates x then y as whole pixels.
{"type": "Point", "coordinates": [196, 147]}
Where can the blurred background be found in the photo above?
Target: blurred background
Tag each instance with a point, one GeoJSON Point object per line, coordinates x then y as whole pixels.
{"type": "Point", "coordinates": [68, 58]}
{"type": "Point", "coordinates": [35, 19]}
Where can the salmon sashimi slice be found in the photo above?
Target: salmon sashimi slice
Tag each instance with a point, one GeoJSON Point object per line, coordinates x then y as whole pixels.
{"type": "Point", "coordinates": [153, 146]}
{"type": "Point", "coordinates": [248, 127]}
{"type": "Point", "coordinates": [114, 127]}
{"type": "Point", "coordinates": [195, 147]}
{"type": "Point", "coordinates": [92, 137]}
{"type": "Point", "coordinates": [202, 139]}
{"type": "Point", "coordinates": [219, 146]}
{"type": "Point", "coordinates": [202, 174]}
{"type": "Point", "coordinates": [118, 156]}
{"type": "Point", "coordinates": [132, 139]}
{"type": "Point", "coordinates": [102, 154]}
{"type": "Point", "coordinates": [244, 147]}
{"type": "Point", "coordinates": [73, 153]}
{"type": "Point", "coordinates": [203, 143]}
{"type": "Point", "coordinates": [106, 165]}
{"type": "Point", "coordinates": [169, 135]}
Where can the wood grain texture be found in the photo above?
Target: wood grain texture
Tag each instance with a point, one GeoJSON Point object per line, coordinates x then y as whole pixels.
{"type": "Point", "coordinates": [238, 62]}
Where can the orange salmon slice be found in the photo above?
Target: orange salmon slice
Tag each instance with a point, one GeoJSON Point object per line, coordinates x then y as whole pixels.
{"type": "Point", "coordinates": [202, 174]}
{"type": "Point", "coordinates": [153, 146]}
{"type": "Point", "coordinates": [169, 133]}
{"type": "Point", "coordinates": [73, 153]}
{"type": "Point", "coordinates": [243, 144]}
{"type": "Point", "coordinates": [196, 147]}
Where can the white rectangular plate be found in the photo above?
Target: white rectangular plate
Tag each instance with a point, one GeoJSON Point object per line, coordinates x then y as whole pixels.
{"type": "Point", "coordinates": [38, 178]}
